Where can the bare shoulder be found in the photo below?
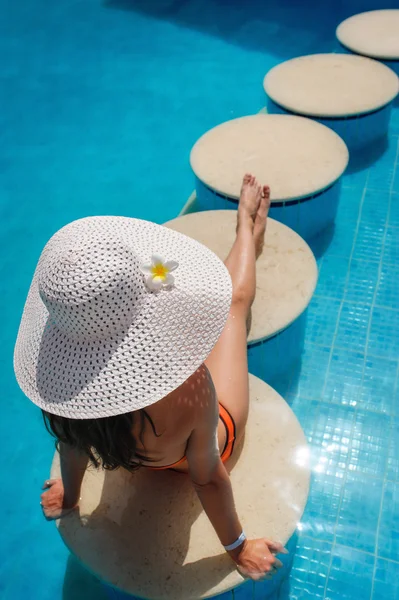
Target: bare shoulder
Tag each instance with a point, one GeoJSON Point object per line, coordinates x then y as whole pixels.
{"type": "Point", "coordinates": [192, 403]}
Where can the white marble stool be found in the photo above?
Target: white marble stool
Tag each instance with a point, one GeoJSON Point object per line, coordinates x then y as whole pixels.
{"type": "Point", "coordinates": [286, 279]}
{"type": "Point", "coordinates": [301, 160]}
{"type": "Point", "coordinates": [351, 94]}
{"type": "Point", "coordinates": [374, 34]}
{"type": "Point", "coordinates": [146, 534]}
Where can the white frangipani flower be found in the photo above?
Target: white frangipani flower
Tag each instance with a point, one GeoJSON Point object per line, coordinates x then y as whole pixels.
{"type": "Point", "coordinates": [158, 272]}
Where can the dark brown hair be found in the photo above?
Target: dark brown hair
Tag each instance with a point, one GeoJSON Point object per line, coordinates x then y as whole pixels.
{"type": "Point", "coordinates": [108, 442]}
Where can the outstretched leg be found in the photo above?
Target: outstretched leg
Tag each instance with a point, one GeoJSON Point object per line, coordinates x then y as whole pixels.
{"type": "Point", "coordinates": [227, 362]}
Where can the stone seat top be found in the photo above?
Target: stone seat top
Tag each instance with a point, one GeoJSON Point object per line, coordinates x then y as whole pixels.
{"type": "Point", "coordinates": [331, 85]}
{"type": "Point", "coordinates": [146, 533]}
{"type": "Point", "coordinates": [286, 271]}
{"type": "Point", "coordinates": [374, 33]}
{"type": "Point", "coordinates": [296, 157]}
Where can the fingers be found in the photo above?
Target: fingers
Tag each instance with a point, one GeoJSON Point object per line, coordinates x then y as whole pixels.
{"type": "Point", "coordinates": [276, 547]}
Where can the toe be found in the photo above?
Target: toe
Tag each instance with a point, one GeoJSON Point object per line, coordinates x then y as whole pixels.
{"type": "Point", "coordinates": [266, 191]}
{"type": "Point", "coordinates": [247, 178]}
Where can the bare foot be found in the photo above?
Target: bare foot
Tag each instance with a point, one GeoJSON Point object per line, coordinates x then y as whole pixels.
{"type": "Point", "coordinates": [250, 199]}
{"type": "Point", "coordinates": [261, 220]}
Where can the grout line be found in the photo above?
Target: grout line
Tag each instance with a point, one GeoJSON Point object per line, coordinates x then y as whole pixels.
{"type": "Point", "coordinates": [372, 306]}
{"type": "Point", "coordinates": [327, 374]}
{"type": "Point", "coordinates": [356, 302]}
{"type": "Point", "coordinates": [361, 260]}
{"type": "Point", "coordinates": [365, 353]}
{"type": "Point", "coordinates": [353, 407]}
{"type": "Point", "coordinates": [377, 531]}
{"type": "Point", "coordinates": [316, 539]}
{"type": "Point", "coordinates": [395, 165]}
{"type": "Point", "coordinates": [368, 355]}
{"type": "Point", "coordinates": [345, 287]}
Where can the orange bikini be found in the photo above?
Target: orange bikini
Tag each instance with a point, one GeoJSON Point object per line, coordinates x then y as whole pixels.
{"type": "Point", "coordinates": [230, 426]}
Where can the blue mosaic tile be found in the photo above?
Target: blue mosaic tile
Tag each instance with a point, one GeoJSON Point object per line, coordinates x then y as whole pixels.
{"type": "Point", "coordinates": [375, 207]}
{"type": "Point", "coordinates": [309, 570]}
{"type": "Point", "coordinates": [313, 371]}
{"type": "Point", "coordinates": [395, 183]}
{"type": "Point", "coordinates": [393, 218]}
{"type": "Point", "coordinates": [378, 387]}
{"type": "Point", "coordinates": [344, 377]}
{"type": "Point", "coordinates": [362, 281]}
{"type": "Point", "coordinates": [350, 576]}
{"type": "Point", "coordinates": [343, 240]}
{"type": "Point", "coordinates": [331, 437]}
{"type": "Point", "coordinates": [322, 320]}
{"type": "Point", "coordinates": [369, 446]}
{"type": "Point", "coordinates": [384, 333]}
{"type": "Point", "coordinates": [388, 539]}
{"type": "Point", "coordinates": [388, 285]}
{"type": "Point", "coordinates": [357, 179]}
{"type": "Point", "coordinates": [391, 246]}
{"type": "Point", "coordinates": [306, 411]}
{"type": "Point", "coordinates": [381, 180]}
{"type": "Point", "coordinates": [369, 242]}
{"type": "Point", "coordinates": [332, 277]}
{"type": "Point", "coordinates": [359, 511]}
{"type": "Point", "coordinates": [320, 516]}
{"type": "Point", "coordinates": [386, 580]}
{"type": "Point", "coordinates": [349, 205]}
{"type": "Point", "coordinates": [353, 326]}
{"type": "Point", "coordinates": [382, 174]}
{"type": "Point", "coordinates": [393, 451]}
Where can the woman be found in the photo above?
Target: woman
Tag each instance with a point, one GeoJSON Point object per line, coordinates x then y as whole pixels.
{"type": "Point", "coordinates": [136, 367]}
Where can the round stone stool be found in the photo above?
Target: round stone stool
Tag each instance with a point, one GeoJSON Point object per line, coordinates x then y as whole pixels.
{"type": "Point", "coordinates": [286, 279]}
{"type": "Point", "coordinates": [146, 534]}
{"type": "Point", "coordinates": [351, 94]}
{"type": "Point", "coordinates": [374, 34]}
{"type": "Point", "coordinates": [301, 160]}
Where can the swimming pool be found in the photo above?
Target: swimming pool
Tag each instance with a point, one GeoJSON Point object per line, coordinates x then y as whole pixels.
{"type": "Point", "coordinates": [101, 101]}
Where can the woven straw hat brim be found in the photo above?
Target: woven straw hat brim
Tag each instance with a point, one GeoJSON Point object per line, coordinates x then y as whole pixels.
{"type": "Point", "coordinates": [171, 335]}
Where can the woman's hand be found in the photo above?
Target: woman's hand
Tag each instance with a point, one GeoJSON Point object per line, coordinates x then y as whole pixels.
{"type": "Point", "coordinates": [53, 500]}
{"type": "Point", "coordinates": [256, 558]}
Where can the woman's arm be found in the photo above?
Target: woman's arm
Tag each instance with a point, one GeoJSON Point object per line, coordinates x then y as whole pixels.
{"type": "Point", "coordinates": [62, 495]}
{"type": "Point", "coordinates": [209, 476]}
{"type": "Point", "coordinates": [254, 558]}
{"type": "Point", "coordinates": [73, 467]}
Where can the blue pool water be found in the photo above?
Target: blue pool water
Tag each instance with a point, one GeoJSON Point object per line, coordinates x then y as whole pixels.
{"type": "Point", "coordinates": [101, 101]}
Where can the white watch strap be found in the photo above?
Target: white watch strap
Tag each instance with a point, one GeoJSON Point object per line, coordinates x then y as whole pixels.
{"type": "Point", "coordinates": [241, 538]}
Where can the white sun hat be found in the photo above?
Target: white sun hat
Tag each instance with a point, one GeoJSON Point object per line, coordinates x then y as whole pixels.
{"type": "Point", "coordinates": [107, 329]}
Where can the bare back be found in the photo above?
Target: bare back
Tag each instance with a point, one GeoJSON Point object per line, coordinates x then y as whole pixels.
{"type": "Point", "coordinates": [175, 417]}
